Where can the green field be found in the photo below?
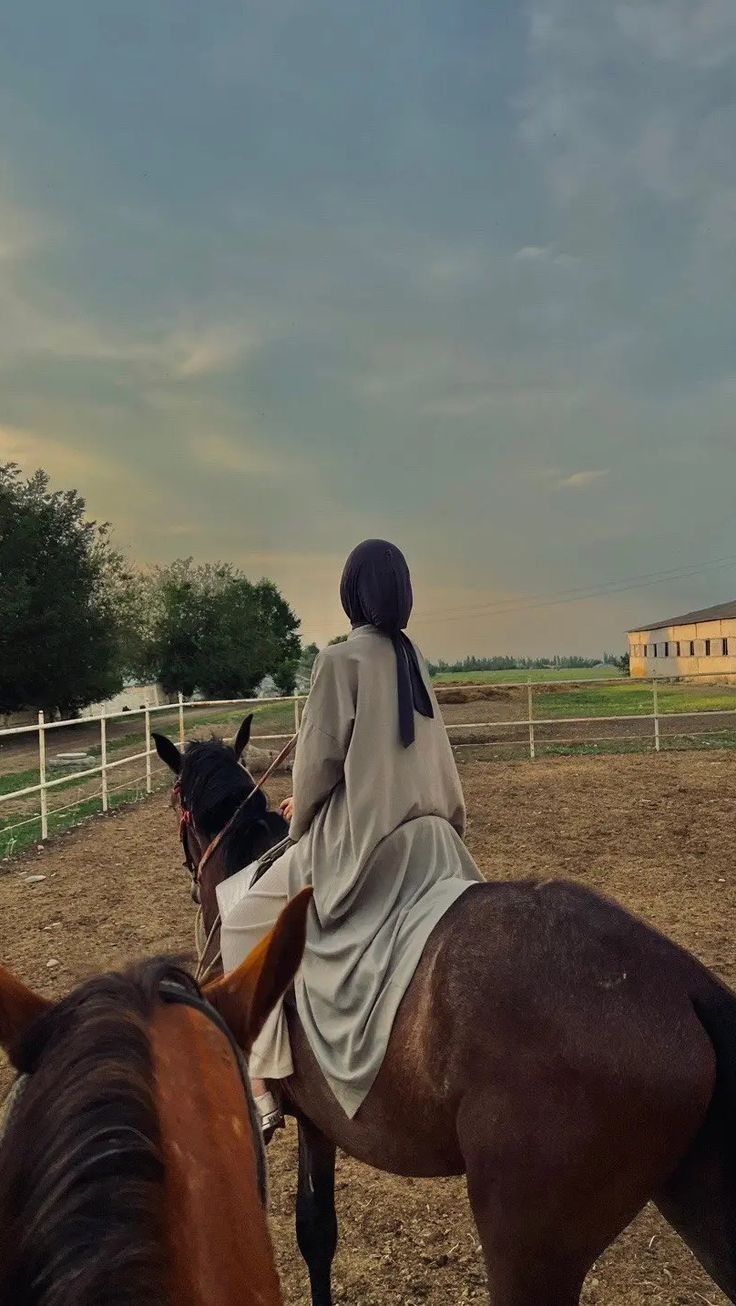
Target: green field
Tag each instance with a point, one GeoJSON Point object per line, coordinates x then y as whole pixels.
{"type": "Point", "coordinates": [632, 698]}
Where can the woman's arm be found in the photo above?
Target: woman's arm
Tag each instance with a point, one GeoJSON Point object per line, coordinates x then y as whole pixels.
{"type": "Point", "coordinates": [323, 740]}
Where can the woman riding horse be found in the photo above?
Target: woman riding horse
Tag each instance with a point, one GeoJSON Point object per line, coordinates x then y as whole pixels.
{"type": "Point", "coordinates": [377, 820]}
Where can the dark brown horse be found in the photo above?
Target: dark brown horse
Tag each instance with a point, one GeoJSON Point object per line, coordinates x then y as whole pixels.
{"type": "Point", "coordinates": [131, 1162]}
{"type": "Point", "coordinates": [569, 1060]}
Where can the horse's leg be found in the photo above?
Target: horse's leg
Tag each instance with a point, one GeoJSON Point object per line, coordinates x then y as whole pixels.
{"type": "Point", "coordinates": [316, 1220]}
{"type": "Point", "coordinates": [522, 1269]}
{"type": "Point", "coordinates": [537, 1241]}
{"type": "Point", "coordinates": [700, 1201]}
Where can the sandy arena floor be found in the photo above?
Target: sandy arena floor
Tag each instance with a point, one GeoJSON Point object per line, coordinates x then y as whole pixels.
{"type": "Point", "coordinates": [656, 833]}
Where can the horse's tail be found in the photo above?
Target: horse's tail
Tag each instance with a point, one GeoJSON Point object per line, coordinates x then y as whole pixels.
{"type": "Point", "coordinates": [716, 1011]}
{"type": "Point", "coordinates": [700, 1199]}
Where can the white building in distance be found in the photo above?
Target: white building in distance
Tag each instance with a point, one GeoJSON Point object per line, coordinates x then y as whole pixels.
{"type": "Point", "coordinates": [697, 643]}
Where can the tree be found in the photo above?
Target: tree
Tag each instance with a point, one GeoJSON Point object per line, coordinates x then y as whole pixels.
{"type": "Point", "coordinates": [306, 662]}
{"type": "Point", "coordinates": [339, 639]}
{"type": "Point", "coordinates": [215, 631]}
{"type": "Point", "coordinates": [61, 637]}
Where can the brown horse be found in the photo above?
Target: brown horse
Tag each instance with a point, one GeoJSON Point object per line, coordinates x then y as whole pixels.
{"type": "Point", "coordinates": [131, 1163]}
{"type": "Point", "coordinates": [569, 1060]}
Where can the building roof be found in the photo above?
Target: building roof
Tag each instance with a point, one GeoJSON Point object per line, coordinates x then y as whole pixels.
{"type": "Point", "coordinates": [721, 612]}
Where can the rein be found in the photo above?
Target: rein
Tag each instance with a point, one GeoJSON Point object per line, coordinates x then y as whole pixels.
{"type": "Point", "coordinates": [185, 820]}
{"type": "Point", "coordinates": [180, 995]}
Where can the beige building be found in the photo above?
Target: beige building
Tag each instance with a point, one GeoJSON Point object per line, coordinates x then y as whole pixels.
{"type": "Point", "coordinates": [697, 643]}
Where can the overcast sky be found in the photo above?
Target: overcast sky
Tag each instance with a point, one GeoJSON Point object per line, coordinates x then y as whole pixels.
{"type": "Point", "coordinates": [279, 274]}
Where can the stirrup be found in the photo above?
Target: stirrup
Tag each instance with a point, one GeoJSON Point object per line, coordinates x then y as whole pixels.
{"type": "Point", "coordinates": [270, 1115]}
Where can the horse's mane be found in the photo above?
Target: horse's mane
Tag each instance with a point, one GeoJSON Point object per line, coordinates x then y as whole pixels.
{"type": "Point", "coordinates": [213, 786]}
{"type": "Point", "coordinates": [81, 1167]}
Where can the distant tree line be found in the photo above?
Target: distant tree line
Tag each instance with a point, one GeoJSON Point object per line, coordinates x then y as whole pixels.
{"type": "Point", "coordinates": [77, 621]}
{"type": "Point", "coordinates": [505, 662]}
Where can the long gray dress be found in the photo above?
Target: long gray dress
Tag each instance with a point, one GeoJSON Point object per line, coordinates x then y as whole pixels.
{"type": "Point", "coordinates": [378, 831]}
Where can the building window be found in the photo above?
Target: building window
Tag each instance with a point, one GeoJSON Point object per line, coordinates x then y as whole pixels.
{"type": "Point", "coordinates": [677, 648]}
{"type": "Point", "coordinates": [651, 650]}
{"type": "Point", "coordinates": [688, 648]}
{"type": "Point", "coordinates": [707, 648]}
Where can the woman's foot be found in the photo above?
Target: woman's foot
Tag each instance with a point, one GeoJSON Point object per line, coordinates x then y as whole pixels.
{"type": "Point", "coordinates": [270, 1114]}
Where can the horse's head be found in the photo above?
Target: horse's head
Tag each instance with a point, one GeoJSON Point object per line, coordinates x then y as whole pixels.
{"type": "Point", "coordinates": [131, 1159]}
{"type": "Point", "coordinates": [211, 783]}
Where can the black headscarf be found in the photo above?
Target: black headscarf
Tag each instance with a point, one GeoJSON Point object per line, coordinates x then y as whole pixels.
{"type": "Point", "coordinates": [376, 591]}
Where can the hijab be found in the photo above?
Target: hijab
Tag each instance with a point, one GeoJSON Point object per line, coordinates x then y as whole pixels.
{"type": "Point", "coordinates": [376, 591]}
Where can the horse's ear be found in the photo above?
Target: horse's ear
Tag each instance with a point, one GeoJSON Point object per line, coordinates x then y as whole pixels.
{"type": "Point", "coordinates": [19, 1008]}
{"type": "Point", "coordinates": [242, 739]}
{"type": "Point", "coordinates": [247, 996]}
{"type": "Point", "coordinates": [168, 752]}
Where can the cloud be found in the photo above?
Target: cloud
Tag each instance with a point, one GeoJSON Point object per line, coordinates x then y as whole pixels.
{"type": "Point", "coordinates": [211, 350]}
{"type": "Point", "coordinates": [100, 476]}
{"type": "Point", "coordinates": [581, 480]}
{"type": "Point", "coordinates": [532, 253]}
{"type": "Point", "coordinates": [701, 34]}
{"type": "Point", "coordinates": [220, 454]}
{"type": "Point", "coordinates": [32, 451]}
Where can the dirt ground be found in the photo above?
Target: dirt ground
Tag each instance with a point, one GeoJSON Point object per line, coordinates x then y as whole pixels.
{"type": "Point", "coordinates": [655, 832]}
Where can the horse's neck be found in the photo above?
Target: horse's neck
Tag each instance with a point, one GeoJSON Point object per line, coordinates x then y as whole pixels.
{"type": "Point", "coordinates": [245, 846]}
{"type": "Point", "coordinates": [220, 1251]}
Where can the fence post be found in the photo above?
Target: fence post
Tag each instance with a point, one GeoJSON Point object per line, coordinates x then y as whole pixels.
{"type": "Point", "coordinates": [655, 702]}
{"type": "Point", "coordinates": [103, 760]}
{"type": "Point", "coordinates": [149, 786]}
{"type": "Point", "coordinates": [182, 739]}
{"type": "Point", "coordinates": [530, 707]}
{"type": "Point", "coordinates": [42, 776]}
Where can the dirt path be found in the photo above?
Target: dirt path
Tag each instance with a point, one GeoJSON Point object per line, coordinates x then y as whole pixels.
{"type": "Point", "coordinates": [657, 833]}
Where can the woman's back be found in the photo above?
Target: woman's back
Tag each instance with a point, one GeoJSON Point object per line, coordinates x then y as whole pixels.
{"type": "Point", "coordinates": [379, 838]}
{"type": "Point", "coordinates": [383, 785]}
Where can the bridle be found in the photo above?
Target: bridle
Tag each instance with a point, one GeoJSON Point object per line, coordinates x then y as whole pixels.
{"type": "Point", "coordinates": [179, 994]}
{"type": "Point", "coordinates": [186, 821]}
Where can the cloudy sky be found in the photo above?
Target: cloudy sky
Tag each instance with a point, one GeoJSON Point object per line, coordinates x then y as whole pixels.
{"type": "Point", "coordinates": [279, 274]}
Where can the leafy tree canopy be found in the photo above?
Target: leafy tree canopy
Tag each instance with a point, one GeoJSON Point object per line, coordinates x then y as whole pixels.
{"type": "Point", "coordinates": [215, 631]}
{"type": "Point", "coordinates": [64, 592]}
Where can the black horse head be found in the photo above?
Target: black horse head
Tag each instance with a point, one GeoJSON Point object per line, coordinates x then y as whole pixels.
{"type": "Point", "coordinates": [212, 789]}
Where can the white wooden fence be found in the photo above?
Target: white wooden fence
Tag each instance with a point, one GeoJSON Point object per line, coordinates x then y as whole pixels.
{"type": "Point", "coordinates": [47, 785]}
{"type": "Point", "coordinates": [527, 734]}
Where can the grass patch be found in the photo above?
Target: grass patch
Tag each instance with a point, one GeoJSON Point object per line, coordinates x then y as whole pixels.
{"type": "Point", "coordinates": [18, 780]}
{"type": "Point", "coordinates": [631, 698]}
{"type": "Point", "coordinates": [15, 841]}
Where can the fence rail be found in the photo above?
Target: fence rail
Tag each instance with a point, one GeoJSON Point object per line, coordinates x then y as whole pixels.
{"type": "Point", "coordinates": [661, 721]}
{"type": "Point", "coordinates": [100, 774]}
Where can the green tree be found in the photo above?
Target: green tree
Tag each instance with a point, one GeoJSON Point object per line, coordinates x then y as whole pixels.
{"type": "Point", "coordinates": [215, 631]}
{"type": "Point", "coordinates": [304, 667]}
{"type": "Point", "coordinates": [62, 635]}
{"type": "Point", "coordinates": [339, 639]}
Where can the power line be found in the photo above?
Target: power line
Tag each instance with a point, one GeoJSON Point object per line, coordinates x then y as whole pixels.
{"type": "Point", "coordinates": [579, 594]}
